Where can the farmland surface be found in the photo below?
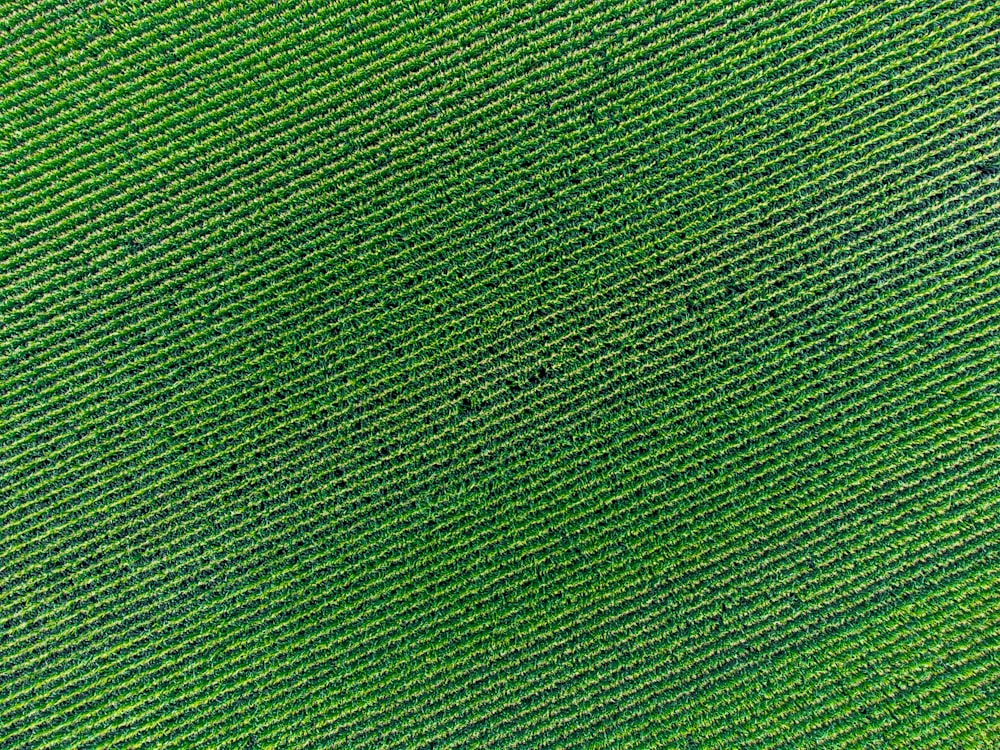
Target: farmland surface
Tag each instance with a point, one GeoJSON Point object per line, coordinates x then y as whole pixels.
{"type": "Point", "coordinates": [556, 373]}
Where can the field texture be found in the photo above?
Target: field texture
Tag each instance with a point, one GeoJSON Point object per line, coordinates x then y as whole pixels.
{"type": "Point", "coordinates": [566, 373]}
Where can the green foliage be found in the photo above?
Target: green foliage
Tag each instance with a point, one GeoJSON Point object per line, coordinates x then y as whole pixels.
{"type": "Point", "coordinates": [441, 374]}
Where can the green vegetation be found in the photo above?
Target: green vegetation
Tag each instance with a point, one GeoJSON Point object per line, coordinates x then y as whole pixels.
{"type": "Point", "coordinates": [441, 374]}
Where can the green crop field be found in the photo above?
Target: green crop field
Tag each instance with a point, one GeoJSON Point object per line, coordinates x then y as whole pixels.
{"type": "Point", "coordinates": [445, 374]}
